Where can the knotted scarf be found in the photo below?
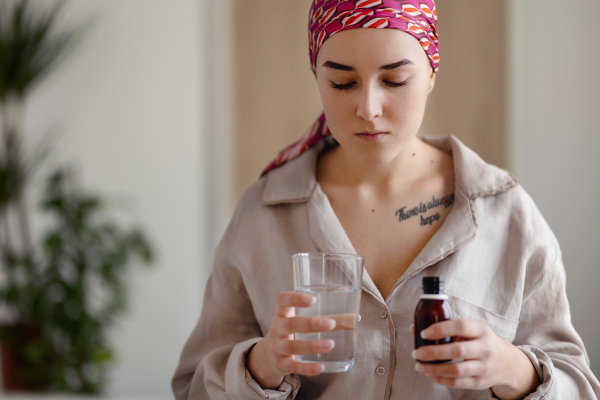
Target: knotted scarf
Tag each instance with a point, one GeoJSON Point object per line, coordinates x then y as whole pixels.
{"type": "Point", "coordinates": [328, 17]}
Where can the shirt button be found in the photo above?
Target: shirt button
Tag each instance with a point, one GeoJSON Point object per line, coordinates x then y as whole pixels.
{"type": "Point", "coordinates": [380, 370]}
{"type": "Point", "coordinates": [383, 313]}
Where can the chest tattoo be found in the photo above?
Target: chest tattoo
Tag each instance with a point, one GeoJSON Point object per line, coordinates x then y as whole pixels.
{"type": "Point", "coordinates": [405, 213]}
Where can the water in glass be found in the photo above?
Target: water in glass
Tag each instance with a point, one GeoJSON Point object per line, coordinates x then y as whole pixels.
{"type": "Point", "coordinates": [342, 304]}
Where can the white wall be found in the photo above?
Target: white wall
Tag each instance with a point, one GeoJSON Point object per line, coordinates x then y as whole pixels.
{"type": "Point", "coordinates": [555, 138]}
{"type": "Point", "coordinates": [129, 104]}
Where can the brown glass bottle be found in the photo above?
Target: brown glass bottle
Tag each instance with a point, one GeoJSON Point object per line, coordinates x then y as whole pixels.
{"type": "Point", "coordinates": [433, 307]}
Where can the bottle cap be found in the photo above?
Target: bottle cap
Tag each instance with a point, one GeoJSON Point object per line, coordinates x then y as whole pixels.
{"type": "Point", "coordinates": [433, 285]}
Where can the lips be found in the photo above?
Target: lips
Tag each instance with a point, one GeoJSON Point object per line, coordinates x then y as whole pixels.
{"type": "Point", "coordinates": [371, 136]}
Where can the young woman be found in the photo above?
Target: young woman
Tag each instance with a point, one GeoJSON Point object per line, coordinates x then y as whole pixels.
{"type": "Point", "coordinates": [360, 181]}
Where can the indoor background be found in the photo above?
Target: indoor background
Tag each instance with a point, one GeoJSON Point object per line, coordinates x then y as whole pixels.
{"type": "Point", "coordinates": [178, 105]}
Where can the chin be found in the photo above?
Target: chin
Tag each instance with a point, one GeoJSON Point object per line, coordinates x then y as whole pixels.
{"type": "Point", "coordinates": [374, 157]}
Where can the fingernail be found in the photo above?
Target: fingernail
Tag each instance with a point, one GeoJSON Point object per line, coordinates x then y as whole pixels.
{"type": "Point", "coordinates": [359, 317]}
{"type": "Point", "coordinates": [327, 323]}
{"type": "Point", "coordinates": [414, 354]}
{"type": "Point", "coordinates": [425, 334]}
{"type": "Point", "coordinates": [410, 328]}
{"type": "Point", "coordinates": [309, 299]}
{"type": "Point", "coordinates": [418, 367]}
{"type": "Point", "coordinates": [318, 368]}
{"type": "Point", "coordinates": [327, 344]}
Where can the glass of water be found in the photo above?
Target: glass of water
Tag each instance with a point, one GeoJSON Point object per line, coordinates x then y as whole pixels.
{"type": "Point", "coordinates": [336, 281]}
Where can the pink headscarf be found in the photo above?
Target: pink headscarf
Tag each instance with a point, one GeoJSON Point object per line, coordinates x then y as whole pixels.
{"type": "Point", "coordinates": [328, 17]}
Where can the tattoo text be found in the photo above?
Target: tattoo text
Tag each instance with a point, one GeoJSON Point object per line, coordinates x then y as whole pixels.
{"type": "Point", "coordinates": [403, 214]}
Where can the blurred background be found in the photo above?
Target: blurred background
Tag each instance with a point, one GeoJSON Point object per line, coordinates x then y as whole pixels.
{"type": "Point", "coordinates": [171, 109]}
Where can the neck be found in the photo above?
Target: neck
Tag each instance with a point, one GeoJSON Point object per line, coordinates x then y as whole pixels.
{"type": "Point", "coordinates": [397, 173]}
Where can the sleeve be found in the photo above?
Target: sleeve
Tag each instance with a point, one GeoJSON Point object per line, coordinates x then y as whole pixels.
{"type": "Point", "coordinates": [213, 361]}
{"type": "Point", "coordinates": [547, 336]}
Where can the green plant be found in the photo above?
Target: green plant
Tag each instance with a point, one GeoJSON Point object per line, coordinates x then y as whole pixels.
{"type": "Point", "coordinates": [67, 288]}
{"type": "Point", "coordinates": [74, 290]}
{"type": "Point", "coordinates": [28, 48]}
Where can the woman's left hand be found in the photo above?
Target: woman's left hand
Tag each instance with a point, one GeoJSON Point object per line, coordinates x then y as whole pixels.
{"type": "Point", "coordinates": [486, 360]}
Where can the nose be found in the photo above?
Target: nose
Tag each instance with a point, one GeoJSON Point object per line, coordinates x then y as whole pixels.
{"type": "Point", "coordinates": [369, 104]}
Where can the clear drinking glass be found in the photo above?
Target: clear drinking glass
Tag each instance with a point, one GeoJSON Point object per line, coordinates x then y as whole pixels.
{"type": "Point", "coordinates": [336, 281]}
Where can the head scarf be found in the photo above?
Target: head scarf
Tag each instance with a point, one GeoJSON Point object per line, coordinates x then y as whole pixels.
{"type": "Point", "coordinates": [328, 17]}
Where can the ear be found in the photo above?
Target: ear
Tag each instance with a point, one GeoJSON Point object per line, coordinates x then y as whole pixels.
{"type": "Point", "coordinates": [432, 79]}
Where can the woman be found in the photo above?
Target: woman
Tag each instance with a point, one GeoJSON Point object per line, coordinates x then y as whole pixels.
{"type": "Point", "coordinates": [360, 181]}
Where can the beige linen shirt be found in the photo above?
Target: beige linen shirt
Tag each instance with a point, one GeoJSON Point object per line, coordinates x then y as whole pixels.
{"type": "Point", "coordinates": [500, 261]}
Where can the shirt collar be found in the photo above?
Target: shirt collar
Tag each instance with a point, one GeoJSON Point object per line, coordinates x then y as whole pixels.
{"type": "Point", "coordinates": [295, 181]}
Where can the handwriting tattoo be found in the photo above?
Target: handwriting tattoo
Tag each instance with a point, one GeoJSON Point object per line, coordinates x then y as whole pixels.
{"type": "Point", "coordinates": [403, 214]}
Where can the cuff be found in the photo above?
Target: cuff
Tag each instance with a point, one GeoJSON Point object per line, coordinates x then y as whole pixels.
{"type": "Point", "coordinates": [239, 383]}
{"type": "Point", "coordinates": [543, 367]}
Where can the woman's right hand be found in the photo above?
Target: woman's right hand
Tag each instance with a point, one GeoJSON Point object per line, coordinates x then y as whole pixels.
{"type": "Point", "coordinates": [274, 356]}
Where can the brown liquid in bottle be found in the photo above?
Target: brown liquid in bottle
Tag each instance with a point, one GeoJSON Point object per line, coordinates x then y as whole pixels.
{"type": "Point", "coordinates": [430, 310]}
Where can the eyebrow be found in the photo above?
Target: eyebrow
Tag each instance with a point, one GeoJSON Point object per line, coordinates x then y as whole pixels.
{"type": "Point", "coordinates": [342, 67]}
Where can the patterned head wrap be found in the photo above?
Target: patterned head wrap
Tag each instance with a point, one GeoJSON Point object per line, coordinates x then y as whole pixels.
{"type": "Point", "coordinates": [328, 17]}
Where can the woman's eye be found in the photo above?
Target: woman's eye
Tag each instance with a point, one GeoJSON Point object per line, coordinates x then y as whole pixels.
{"type": "Point", "coordinates": [346, 86]}
{"type": "Point", "coordinates": [395, 84]}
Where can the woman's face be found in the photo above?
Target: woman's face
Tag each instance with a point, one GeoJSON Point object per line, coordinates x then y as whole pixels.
{"type": "Point", "coordinates": [374, 85]}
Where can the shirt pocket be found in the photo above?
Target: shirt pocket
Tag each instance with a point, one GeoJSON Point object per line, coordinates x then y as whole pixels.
{"type": "Point", "coordinates": [502, 326]}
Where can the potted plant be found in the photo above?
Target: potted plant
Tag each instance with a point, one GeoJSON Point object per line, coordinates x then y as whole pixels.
{"type": "Point", "coordinates": [66, 288]}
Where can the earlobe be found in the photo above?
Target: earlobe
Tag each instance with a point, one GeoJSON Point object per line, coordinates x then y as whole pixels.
{"type": "Point", "coordinates": [432, 82]}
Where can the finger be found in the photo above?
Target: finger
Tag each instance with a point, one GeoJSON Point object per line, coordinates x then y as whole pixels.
{"type": "Point", "coordinates": [473, 383]}
{"type": "Point", "coordinates": [290, 366]}
{"type": "Point", "coordinates": [293, 347]}
{"type": "Point", "coordinates": [464, 369]}
{"type": "Point", "coordinates": [468, 328]}
{"type": "Point", "coordinates": [287, 326]}
{"type": "Point", "coordinates": [344, 322]}
{"type": "Point", "coordinates": [468, 350]}
{"type": "Point", "coordinates": [412, 329]}
{"type": "Point", "coordinates": [286, 301]}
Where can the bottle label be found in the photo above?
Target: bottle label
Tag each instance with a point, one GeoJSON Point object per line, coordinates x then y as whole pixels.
{"type": "Point", "coordinates": [434, 296]}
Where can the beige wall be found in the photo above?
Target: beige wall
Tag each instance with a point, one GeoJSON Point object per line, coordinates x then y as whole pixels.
{"type": "Point", "coordinates": [468, 99]}
{"type": "Point", "coordinates": [276, 98]}
{"type": "Point", "coordinates": [555, 93]}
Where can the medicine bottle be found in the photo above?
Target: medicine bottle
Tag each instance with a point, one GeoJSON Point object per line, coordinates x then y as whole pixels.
{"type": "Point", "coordinates": [433, 307]}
